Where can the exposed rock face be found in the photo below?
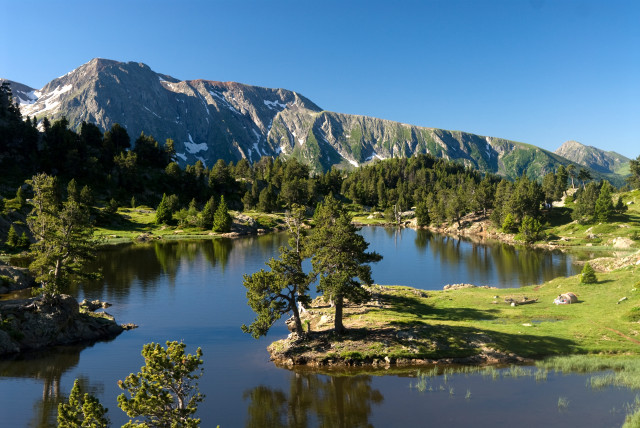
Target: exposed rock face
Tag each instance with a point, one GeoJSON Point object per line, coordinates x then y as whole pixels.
{"type": "Point", "coordinates": [45, 321]}
{"type": "Point", "coordinates": [13, 278]}
{"type": "Point", "coordinates": [592, 157]}
{"type": "Point", "coordinates": [211, 120]}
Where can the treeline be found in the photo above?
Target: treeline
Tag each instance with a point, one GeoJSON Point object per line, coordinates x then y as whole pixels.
{"type": "Point", "coordinates": [120, 173]}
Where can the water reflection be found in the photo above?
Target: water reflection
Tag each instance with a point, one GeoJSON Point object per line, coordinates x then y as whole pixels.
{"type": "Point", "coordinates": [314, 400]}
{"type": "Point", "coordinates": [414, 255]}
{"type": "Point", "coordinates": [49, 367]}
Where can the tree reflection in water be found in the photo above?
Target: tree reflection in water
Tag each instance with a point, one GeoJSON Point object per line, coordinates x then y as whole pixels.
{"type": "Point", "coordinates": [314, 400]}
{"type": "Point", "coordinates": [48, 366]}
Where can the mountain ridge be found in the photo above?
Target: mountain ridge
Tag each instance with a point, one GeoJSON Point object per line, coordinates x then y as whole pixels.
{"type": "Point", "coordinates": [210, 120]}
{"type": "Point", "coordinates": [605, 162]}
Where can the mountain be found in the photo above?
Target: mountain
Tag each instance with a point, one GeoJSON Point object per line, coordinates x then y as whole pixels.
{"type": "Point", "coordinates": [209, 120]}
{"type": "Point", "coordinates": [594, 158]}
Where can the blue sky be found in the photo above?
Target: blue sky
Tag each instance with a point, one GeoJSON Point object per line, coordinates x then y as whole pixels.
{"type": "Point", "coordinates": [537, 71]}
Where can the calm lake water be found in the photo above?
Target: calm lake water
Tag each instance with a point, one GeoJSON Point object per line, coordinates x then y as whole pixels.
{"type": "Point", "coordinates": [192, 291]}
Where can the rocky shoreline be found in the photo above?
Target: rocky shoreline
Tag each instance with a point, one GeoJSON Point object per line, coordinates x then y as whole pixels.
{"type": "Point", "coordinates": [311, 350]}
{"type": "Point", "coordinates": [46, 321]}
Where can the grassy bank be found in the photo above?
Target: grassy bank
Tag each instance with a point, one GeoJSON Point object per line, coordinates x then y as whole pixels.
{"type": "Point", "coordinates": [130, 224]}
{"type": "Point", "coordinates": [476, 325]}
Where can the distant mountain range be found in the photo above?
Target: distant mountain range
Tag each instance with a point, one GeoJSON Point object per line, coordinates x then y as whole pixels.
{"type": "Point", "coordinates": [209, 120]}
{"type": "Point", "coordinates": [594, 158]}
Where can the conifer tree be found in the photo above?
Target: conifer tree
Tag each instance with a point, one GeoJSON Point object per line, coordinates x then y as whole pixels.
{"type": "Point", "coordinates": [163, 212]}
{"type": "Point", "coordinates": [588, 275]}
{"type": "Point", "coordinates": [23, 241]}
{"type": "Point", "coordinates": [274, 293]}
{"type": "Point", "coordinates": [604, 204]}
{"type": "Point", "coordinates": [339, 257]}
{"type": "Point", "coordinates": [64, 236]}
{"type": "Point", "coordinates": [20, 197]}
{"type": "Point", "coordinates": [222, 219]}
{"type": "Point", "coordinates": [82, 411]}
{"type": "Point", "coordinates": [207, 214]}
{"type": "Point", "coordinates": [12, 237]}
{"type": "Point", "coordinates": [165, 392]}
{"type": "Point", "coordinates": [422, 214]}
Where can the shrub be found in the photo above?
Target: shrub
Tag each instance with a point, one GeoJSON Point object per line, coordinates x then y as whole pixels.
{"type": "Point", "coordinates": [588, 275]}
{"type": "Point", "coordinates": [530, 230]}
{"type": "Point", "coordinates": [509, 224]}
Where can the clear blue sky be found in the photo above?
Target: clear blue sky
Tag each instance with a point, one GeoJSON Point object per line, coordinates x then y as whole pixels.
{"type": "Point", "coordinates": [536, 71]}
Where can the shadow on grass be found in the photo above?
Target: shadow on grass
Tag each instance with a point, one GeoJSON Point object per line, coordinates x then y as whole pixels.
{"type": "Point", "coordinates": [424, 311]}
{"type": "Point", "coordinates": [123, 224]}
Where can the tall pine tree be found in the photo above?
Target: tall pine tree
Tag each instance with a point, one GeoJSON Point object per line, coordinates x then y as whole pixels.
{"type": "Point", "coordinates": [340, 258]}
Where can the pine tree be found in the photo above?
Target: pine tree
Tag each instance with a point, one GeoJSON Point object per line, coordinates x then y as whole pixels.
{"type": "Point", "coordinates": [165, 392]}
{"type": "Point", "coordinates": [604, 205]}
{"type": "Point", "coordinates": [82, 411]}
{"type": "Point", "coordinates": [422, 215]}
{"type": "Point", "coordinates": [12, 237]}
{"type": "Point", "coordinates": [207, 214]}
{"type": "Point", "coordinates": [588, 275]}
{"type": "Point", "coordinates": [530, 230]}
{"type": "Point", "coordinates": [222, 219]}
{"type": "Point", "coordinates": [23, 241]}
{"type": "Point", "coordinates": [163, 212]}
{"type": "Point", "coordinates": [63, 233]}
{"type": "Point", "coordinates": [20, 197]}
{"type": "Point", "coordinates": [339, 257]}
{"type": "Point", "coordinates": [274, 293]}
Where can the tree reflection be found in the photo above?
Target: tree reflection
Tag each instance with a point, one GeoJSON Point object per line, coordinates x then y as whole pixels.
{"type": "Point", "coordinates": [512, 265]}
{"type": "Point", "coordinates": [325, 401]}
{"type": "Point", "coordinates": [48, 366]}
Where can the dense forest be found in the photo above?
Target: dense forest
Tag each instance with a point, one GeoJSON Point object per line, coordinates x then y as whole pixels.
{"type": "Point", "coordinates": [122, 172]}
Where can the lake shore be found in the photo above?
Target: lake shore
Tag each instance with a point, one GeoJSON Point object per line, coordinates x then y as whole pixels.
{"type": "Point", "coordinates": [403, 326]}
{"type": "Point", "coordinates": [46, 321]}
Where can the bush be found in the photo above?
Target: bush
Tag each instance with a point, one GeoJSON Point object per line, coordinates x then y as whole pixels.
{"type": "Point", "coordinates": [112, 207]}
{"type": "Point", "coordinates": [509, 224]}
{"type": "Point", "coordinates": [530, 230]}
{"type": "Point", "coordinates": [588, 275]}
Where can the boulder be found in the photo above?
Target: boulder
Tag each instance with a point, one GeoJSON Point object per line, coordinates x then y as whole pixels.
{"type": "Point", "coordinates": [13, 278]}
{"type": "Point", "coordinates": [45, 321]}
{"type": "Point", "coordinates": [621, 242]}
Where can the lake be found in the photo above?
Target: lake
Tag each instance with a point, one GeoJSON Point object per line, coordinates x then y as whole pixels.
{"type": "Point", "coordinates": [192, 291]}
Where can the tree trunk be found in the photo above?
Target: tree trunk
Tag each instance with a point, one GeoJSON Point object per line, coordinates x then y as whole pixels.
{"type": "Point", "coordinates": [296, 318]}
{"type": "Point", "coordinates": [337, 325]}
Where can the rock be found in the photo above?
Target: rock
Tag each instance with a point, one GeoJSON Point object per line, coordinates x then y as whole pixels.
{"type": "Point", "coordinates": [621, 242]}
{"type": "Point", "coordinates": [128, 326]}
{"type": "Point", "coordinates": [13, 278]}
{"type": "Point", "coordinates": [145, 237]}
{"type": "Point", "coordinates": [457, 286]}
{"type": "Point", "coordinates": [325, 319]}
{"type": "Point", "coordinates": [46, 321]}
{"type": "Point", "coordinates": [94, 305]}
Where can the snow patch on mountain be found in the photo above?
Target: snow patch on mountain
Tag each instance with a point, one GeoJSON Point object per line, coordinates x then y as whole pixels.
{"type": "Point", "coordinates": [375, 155]}
{"type": "Point", "coordinates": [50, 100]}
{"type": "Point", "coordinates": [274, 104]}
{"type": "Point", "coordinates": [194, 148]}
